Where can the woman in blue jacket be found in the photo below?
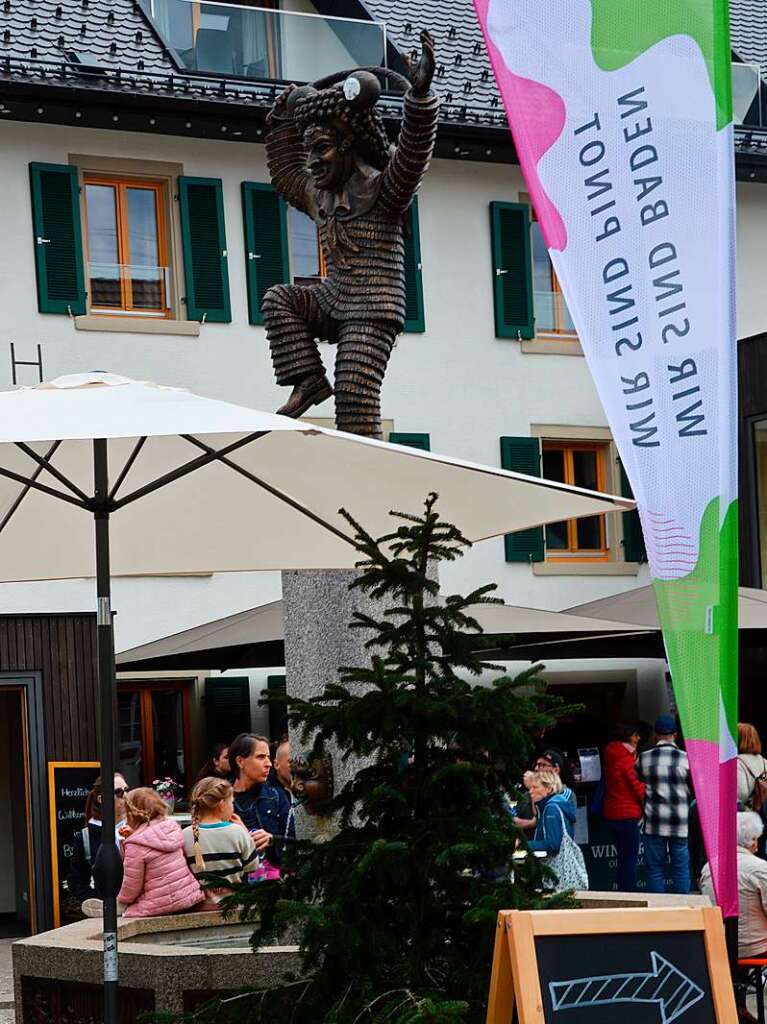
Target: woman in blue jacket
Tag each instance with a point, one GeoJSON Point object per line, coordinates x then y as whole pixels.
{"type": "Point", "coordinates": [265, 810]}
{"type": "Point", "coordinates": [555, 807]}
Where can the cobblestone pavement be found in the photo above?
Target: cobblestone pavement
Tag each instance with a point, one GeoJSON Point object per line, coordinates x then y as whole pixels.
{"type": "Point", "coordinates": [6, 983]}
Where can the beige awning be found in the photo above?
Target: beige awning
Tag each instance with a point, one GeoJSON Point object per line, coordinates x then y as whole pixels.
{"type": "Point", "coordinates": [254, 626]}
{"type": "Point", "coordinates": [253, 637]}
{"type": "Point", "coordinates": [638, 606]}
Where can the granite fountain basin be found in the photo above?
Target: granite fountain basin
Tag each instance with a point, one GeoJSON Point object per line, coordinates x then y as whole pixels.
{"type": "Point", "coordinates": [168, 964]}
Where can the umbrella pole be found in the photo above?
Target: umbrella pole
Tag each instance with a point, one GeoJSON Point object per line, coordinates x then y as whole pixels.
{"type": "Point", "coordinates": [108, 867]}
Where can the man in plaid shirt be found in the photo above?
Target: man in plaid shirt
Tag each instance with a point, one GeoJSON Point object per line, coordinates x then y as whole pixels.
{"type": "Point", "coordinates": [666, 775]}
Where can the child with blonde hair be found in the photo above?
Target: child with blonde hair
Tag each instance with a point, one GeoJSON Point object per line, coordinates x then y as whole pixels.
{"type": "Point", "coordinates": [217, 842]}
{"type": "Point", "coordinates": [156, 878]}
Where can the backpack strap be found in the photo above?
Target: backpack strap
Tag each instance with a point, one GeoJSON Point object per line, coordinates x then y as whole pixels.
{"type": "Point", "coordinates": [754, 778]}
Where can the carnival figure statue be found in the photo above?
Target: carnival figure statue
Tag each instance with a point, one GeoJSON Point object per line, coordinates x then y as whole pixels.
{"type": "Point", "coordinates": [330, 157]}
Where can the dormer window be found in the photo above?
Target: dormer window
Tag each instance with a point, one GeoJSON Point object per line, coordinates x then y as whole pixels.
{"type": "Point", "coordinates": [257, 40]}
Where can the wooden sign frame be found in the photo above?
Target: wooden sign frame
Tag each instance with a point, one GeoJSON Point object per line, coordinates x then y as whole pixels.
{"type": "Point", "coordinates": [515, 979]}
{"type": "Point", "coordinates": [52, 766]}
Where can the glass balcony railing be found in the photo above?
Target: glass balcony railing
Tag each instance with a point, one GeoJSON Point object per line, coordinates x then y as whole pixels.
{"type": "Point", "coordinates": [241, 41]}
{"type": "Point", "coordinates": [748, 96]}
{"type": "Point", "coordinates": [137, 290]}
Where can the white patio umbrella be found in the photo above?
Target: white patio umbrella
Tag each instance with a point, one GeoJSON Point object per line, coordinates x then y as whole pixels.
{"type": "Point", "coordinates": [205, 486]}
{"type": "Point", "coordinates": [638, 606]}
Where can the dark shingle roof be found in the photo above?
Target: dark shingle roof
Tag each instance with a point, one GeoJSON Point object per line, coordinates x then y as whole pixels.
{"type": "Point", "coordinates": [463, 67]}
{"type": "Point", "coordinates": [37, 38]}
{"type": "Point", "coordinates": [111, 32]}
{"type": "Point", "coordinates": [748, 30]}
{"type": "Point", "coordinates": [462, 55]}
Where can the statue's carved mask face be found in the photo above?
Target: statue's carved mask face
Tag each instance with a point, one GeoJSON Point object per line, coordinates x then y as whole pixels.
{"type": "Point", "coordinates": [328, 156]}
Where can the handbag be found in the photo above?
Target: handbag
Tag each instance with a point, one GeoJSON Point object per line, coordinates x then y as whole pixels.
{"type": "Point", "coordinates": [264, 871]}
{"type": "Point", "coordinates": [568, 865]}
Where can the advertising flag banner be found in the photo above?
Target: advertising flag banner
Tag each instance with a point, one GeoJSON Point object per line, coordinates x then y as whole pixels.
{"type": "Point", "coordinates": [621, 114]}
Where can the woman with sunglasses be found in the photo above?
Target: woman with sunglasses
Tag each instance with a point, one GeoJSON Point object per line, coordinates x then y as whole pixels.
{"type": "Point", "coordinates": [80, 881]}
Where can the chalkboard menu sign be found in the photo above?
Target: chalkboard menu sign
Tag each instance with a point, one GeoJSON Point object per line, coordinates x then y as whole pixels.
{"type": "Point", "coordinates": [639, 966]}
{"type": "Point", "coordinates": [69, 783]}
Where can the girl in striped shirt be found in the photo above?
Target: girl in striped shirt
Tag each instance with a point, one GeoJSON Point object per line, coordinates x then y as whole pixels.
{"type": "Point", "coordinates": [217, 842]}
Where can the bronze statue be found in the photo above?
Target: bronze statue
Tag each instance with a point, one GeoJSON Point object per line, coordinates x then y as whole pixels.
{"type": "Point", "coordinates": [313, 779]}
{"type": "Point", "coordinates": [330, 157]}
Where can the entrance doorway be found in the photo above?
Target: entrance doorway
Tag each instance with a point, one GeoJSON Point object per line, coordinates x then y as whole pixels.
{"type": "Point", "coordinates": [599, 706]}
{"type": "Point", "coordinates": [17, 895]}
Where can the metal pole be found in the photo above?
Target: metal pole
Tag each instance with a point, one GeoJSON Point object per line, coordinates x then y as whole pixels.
{"type": "Point", "coordinates": [108, 867]}
{"type": "Point", "coordinates": [731, 938]}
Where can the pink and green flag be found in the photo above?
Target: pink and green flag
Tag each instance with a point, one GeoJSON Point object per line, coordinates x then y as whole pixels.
{"type": "Point", "coordinates": [621, 116]}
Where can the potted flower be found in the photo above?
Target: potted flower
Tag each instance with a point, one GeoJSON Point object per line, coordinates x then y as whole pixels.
{"type": "Point", "coordinates": [168, 789]}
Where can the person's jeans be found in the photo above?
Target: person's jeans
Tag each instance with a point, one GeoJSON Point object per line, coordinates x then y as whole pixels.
{"type": "Point", "coordinates": [627, 842]}
{"type": "Point", "coordinates": [656, 851]}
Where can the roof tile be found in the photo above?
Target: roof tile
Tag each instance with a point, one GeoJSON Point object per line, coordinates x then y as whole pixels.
{"type": "Point", "coordinates": [36, 37]}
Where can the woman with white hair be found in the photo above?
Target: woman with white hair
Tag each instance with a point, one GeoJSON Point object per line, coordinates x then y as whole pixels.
{"type": "Point", "coordinates": [555, 829]}
{"type": "Point", "coordinates": [752, 891]}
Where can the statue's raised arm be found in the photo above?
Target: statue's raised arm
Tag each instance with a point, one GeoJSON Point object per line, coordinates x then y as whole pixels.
{"type": "Point", "coordinates": [410, 157]}
{"type": "Point", "coordinates": [285, 151]}
{"type": "Point", "coordinates": [329, 156]}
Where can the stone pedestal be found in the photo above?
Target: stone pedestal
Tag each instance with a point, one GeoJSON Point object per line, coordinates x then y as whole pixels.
{"type": "Point", "coordinates": [318, 608]}
{"type": "Point", "coordinates": [167, 965]}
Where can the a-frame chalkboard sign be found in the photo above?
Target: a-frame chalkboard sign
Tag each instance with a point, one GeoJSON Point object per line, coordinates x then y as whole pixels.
{"type": "Point", "coordinates": [68, 786]}
{"type": "Point", "coordinates": [633, 966]}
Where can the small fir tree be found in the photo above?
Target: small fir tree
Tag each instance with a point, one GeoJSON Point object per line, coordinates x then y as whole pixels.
{"type": "Point", "coordinates": [397, 910]}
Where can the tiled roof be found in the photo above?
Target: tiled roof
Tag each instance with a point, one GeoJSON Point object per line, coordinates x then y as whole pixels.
{"type": "Point", "coordinates": [113, 33]}
{"type": "Point", "coordinates": [748, 30]}
{"type": "Point", "coordinates": [118, 50]}
{"type": "Point", "coordinates": [463, 63]}
{"type": "Point", "coordinates": [37, 38]}
{"type": "Point", "coordinates": [463, 67]}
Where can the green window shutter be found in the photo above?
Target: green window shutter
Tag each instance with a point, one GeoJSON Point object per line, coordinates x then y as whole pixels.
{"type": "Point", "coordinates": [203, 237]}
{"type": "Point", "coordinates": [633, 539]}
{"type": "Point", "coordinates": [415, 320]}
{"type": "Point", "coordinates": [278, 709]}
{"type": "Point", "coordinates": [57, 238]}
{"type": "Point", "coordinates": [227, 708]}
{"type": "Point", "coordinates": [512, 270]}
{"type": "Point", "coordinates": [523, 455]}
{"type": "Point", "coordinates": [420, 441]}
{"type": "Point", "coordinates": [266, 243]}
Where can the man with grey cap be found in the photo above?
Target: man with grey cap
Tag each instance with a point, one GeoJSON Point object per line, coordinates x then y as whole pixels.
{"type": "Point", "coordinates": [666, 774]}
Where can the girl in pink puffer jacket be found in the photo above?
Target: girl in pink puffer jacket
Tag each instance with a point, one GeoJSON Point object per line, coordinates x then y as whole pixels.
{"type": "Point", "coordinates": [156, 878]}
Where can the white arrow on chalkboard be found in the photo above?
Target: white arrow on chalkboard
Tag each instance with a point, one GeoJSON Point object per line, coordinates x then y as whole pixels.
{"type": "Point", "coordinates": [665, 985]}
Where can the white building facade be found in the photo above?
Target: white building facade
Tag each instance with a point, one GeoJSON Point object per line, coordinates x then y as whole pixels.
{"type": "Point", "coordinates": [490, 371]}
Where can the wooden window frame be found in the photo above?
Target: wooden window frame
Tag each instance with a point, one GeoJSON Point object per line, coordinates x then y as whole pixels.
{"type": "Point", "coordinates": [121, 184]}
{"type": "Point", "coordinates": [560, 306]}
{"type": "Point", "coordinates": [573, 553]}
{"type": "Point", "coordinates": [558, 331]}
{"type": "Point", "coordinates": [145, 688]}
